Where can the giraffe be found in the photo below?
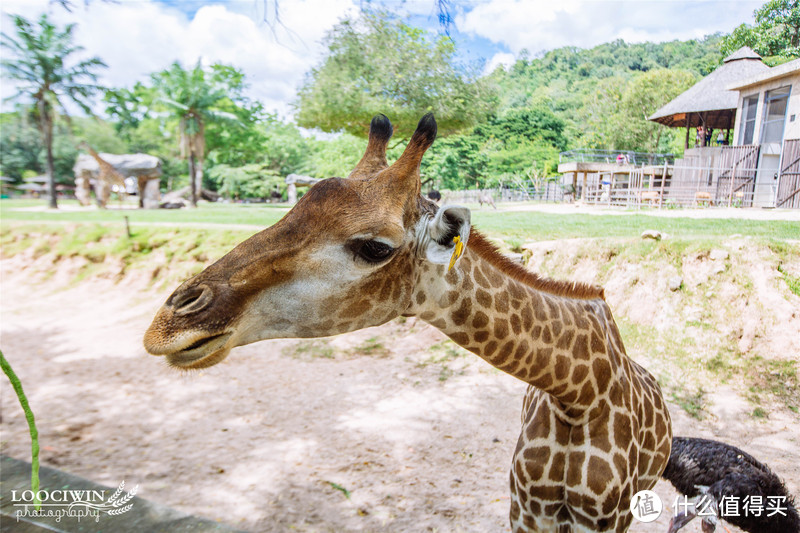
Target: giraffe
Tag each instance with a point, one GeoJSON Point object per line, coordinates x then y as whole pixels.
{"type": "Point", "coordinates": [361, 251]}
{"type": "Point", "coordinates": [107, 177]}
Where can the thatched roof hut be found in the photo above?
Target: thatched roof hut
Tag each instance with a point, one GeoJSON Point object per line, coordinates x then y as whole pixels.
{"type": "Point", "coordinates": [709, 103]}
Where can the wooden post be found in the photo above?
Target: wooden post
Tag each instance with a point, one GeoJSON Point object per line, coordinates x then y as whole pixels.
{"type": "Point", "coordinates": [686, 145]}
{"type": "Point", "coordinates": [611, 187]}
{"type": "Point", "coordinates": [733, 178]}
{"type": "Point", "coordinates": [663, 182]}
{"type": "Point", "coordinates": [705, 131]}
{"type": "Point", "coordinates": [127, 227]}
{"type": "Point", "coordinates": [583, 188]}
{"type": "Point", "coordinates": [575, 186]}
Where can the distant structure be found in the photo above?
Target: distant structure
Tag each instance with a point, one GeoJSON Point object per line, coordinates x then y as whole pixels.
{"type": "Point", "coordinates": [769, 105]}
{"type": "Point", "coordinates": [711, 103]}
{"type": "Point", "coordinates": [101, 170]}
{"type": "Point", "coordinates": [747, 108]}
{"type": "Point", "coordinates": [297, 180]}
{"type": "Point", "coordinates": [107, 176]}
{"type": "Point", "coordinates": [757, 166]}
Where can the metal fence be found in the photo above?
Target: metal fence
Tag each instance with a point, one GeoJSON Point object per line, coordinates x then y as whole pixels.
{"type": "Point", "coordinates": [550, 191]}
{"type": "Point", "coordinates": [615, 156]}
{"type": "Point", "coordinates": [733, 181]}
{"type": "Point", "coordinates": [680, 186]}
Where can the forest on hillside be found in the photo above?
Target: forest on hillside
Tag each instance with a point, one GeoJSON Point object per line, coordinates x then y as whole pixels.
{"type": "Point", "coordinates": [497, 127]}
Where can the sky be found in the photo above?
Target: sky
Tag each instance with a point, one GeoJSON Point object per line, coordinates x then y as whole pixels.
{"type": "Point", "coordinates": [138, 37]}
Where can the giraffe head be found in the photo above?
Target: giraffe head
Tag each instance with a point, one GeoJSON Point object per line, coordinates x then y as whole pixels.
{"type": "Point", "coordinates": [347, 256]}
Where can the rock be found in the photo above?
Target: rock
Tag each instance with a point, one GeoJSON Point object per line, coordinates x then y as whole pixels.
{"type": "Point", "coordinates": [718, 255]}
{"type": "Point", "coordinates": [138, 171]}
{"type": "Point", "coordinates": [300, 180]}
{"type": "Point", "coordinates": [293, 181]}
{"type": "Point", "coordinates": [151, 196]}
{"type": "Point", "coordinates": [651, 234]}
{"type": "Point", "coordinates": [718, 269]}
{"type": "Point", "coordinates": [748, 336]}
{"type": "Point", "coordinates": [125, 164]}
{"type": "Point", "coordinates": [675, 283]}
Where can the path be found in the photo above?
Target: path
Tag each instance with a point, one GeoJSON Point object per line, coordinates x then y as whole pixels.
{"type": "Point", "coordinates": [373, 431]}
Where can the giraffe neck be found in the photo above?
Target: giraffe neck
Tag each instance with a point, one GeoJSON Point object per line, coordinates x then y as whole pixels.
{"type": "Point", "coordinates": [557, 337]}
{"type": "Point", "coordinates": [94, 154]}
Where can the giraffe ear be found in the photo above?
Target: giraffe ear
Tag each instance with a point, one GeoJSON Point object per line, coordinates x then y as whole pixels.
{"type": "Point", "coordinates": [451, 221]}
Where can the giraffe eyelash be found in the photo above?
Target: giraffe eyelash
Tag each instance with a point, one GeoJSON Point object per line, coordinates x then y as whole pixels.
{"type": "Point", "coordinates": [371, 251]}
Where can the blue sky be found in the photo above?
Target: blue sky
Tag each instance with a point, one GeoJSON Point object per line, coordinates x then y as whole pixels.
{"type": "Point", "coordinates": [138, 37]}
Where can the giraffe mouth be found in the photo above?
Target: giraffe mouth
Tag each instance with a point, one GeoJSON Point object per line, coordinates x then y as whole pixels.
{"type": "Point", "coordinates": [203, 353]}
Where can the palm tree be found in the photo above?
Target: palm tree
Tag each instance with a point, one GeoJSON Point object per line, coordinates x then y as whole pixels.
{"type": "Point", "coordinates": [193, 97]}
{"type": "Point", "coordinates": [42, 73]}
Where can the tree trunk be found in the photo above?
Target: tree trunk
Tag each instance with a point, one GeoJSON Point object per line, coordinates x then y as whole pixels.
{"type": "Point", "coordinates": [192, 179]}
{"type": "Point", "coordinates": [198, 176]}
{"type": "Point", "coordinates": [47, 137]}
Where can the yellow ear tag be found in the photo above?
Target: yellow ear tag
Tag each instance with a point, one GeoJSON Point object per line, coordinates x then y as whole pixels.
{"type": "Point", "coordinates": [457, 251]}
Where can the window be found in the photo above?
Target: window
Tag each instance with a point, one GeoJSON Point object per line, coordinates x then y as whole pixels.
{"type": "Point", "coordinates": [775, 105]}
{"type": "Point", "coordinates": [748, 125]}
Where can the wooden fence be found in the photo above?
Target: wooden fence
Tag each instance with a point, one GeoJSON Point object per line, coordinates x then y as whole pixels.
{"type": "Point", "coordinates": [789, 176]}
{"type": "Point", "coordinates": [737, 175]}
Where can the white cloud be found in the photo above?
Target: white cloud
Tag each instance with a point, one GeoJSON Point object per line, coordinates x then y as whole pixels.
{"type": "Point", "coordinates": [138, 38]}
{"type": "Point", "coordinates": [538, 25]}
{"type": "Point", "coordinates": [500, 58]}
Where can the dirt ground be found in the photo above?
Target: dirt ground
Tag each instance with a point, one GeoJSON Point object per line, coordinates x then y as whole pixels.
{"type": "Point", "coordinates": [369, 431]}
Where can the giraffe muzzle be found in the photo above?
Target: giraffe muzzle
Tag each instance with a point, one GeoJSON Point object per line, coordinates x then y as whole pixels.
{"type": "Point", "coordinates": [202, 353]}
{"type": "Point", "coordinates": [191, 300]}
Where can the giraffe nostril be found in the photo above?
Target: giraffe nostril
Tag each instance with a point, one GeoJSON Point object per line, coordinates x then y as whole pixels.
{"type": "Point", "coordinates": [192, 300]}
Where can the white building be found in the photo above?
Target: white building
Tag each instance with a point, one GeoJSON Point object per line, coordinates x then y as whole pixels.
{"type": "Point", "coordinates": [747, 117]}
{"type": "Point", "coordinates": [768, 119]}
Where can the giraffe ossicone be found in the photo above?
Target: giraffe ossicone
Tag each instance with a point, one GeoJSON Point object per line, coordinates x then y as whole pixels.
{"type": "Point", "coordinates": [361, 251]}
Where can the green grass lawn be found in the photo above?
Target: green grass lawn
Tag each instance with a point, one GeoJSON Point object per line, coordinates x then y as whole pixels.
{"type": "Point", "coordinates": [208, 213]}
{"type": "Point", "coordinates": [532, 225]}
{"type": "Point", "coordinates": [523, 225]}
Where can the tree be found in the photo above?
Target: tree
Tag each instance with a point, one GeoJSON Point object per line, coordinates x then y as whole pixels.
{"type": "Point", "coordinates": [129, 107]}
{"type": "Point", "coordinates": [615, 118]}
{"type": "Point", "coordinates": [455, 162]}
{"type": "Point", "coordinates": [42, 73]}
{"type": "Point", "coordinates": [380, 65]}
{"type": "Point", "coordinates": [20, 144]}
{"type": "Point", "coordinates": [775, 34]}
{"type": "Point", "coordinates": [643, 96]}
{"type": "Point", "coordinates": [195, 98]}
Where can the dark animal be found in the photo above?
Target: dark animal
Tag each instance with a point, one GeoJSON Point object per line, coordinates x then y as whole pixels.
{"type": "Point", "coordinates": [434, 195]}
{"type": "Point", "coordinates": [711, 470]}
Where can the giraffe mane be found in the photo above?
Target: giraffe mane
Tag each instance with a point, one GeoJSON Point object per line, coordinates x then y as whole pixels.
{"type": "Point", "coordinates": [570, 289]}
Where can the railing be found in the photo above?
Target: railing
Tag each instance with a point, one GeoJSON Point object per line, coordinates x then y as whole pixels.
{"type": "Point", "coordinates": [678, 186]}
{"type": "Point", "coordinates": [613, 156]}
{"type": "Point", "coordinates": [549, 191]}
{"type": "Point", "coordinates": [732, 181]}
{"type": "Point", "coordinates": [789, 180]}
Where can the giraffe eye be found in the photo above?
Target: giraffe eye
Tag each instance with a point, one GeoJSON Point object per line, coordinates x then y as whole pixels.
{"type": "Point", "coordinates": [373, 251]}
